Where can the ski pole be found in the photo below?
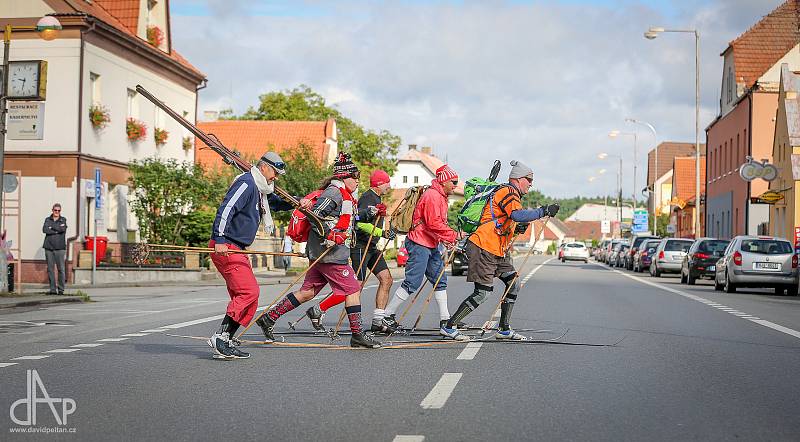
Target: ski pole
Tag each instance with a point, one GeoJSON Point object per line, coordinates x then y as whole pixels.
{"type": "Point", "coordinates": [433, 290]}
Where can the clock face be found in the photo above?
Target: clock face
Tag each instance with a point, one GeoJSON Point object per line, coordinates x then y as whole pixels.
{"type": "Point", "coordinates": [24, 79]}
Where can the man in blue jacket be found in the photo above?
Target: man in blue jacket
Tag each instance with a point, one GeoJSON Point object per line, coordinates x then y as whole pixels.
{"type": "Point", "coordinates": [248, 203]}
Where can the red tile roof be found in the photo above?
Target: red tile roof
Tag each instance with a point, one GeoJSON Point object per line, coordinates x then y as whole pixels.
{"type": "Point", "coordinates": [761, 46]}
{"type": "Point", "coordinates": [106, 10]}
{"type": "Point", "coordinates": [667, 151]}
{"type": "Point", "coordinates": [584, 230]}
{"type": "Point", "coordinates": [252, 138]}
{"type": "Point", "coordinates": [684, 185]}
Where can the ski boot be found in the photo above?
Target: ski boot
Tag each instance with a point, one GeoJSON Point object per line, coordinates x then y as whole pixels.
{"type": "Point", "coordinates": [315, 316]}
{"type": "Point", "coordinates": [452, 333]}
{"type": "Point", "coordinates": [509, 335]}
{"type": "Point", "coordinates": [363, 340]}
{"type": "Point", "coordinates": [267, 327]}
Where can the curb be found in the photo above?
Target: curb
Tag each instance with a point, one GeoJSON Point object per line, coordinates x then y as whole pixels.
{"type": "Point", "coordinates": [64, 300]}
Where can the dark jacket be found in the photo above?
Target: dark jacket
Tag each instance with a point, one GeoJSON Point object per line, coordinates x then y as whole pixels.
{"type": "Point", "coordinates": [369, 198]}
{"type": "Point", "coordinates": [55, 233]}
{"type": "Point", "coordinates": [239, 215]}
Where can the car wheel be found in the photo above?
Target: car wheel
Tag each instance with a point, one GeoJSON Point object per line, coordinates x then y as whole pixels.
{"type": "Point", "coordinates": [717, 285]}
{"type": "Point", "coordinates": [690, 279]}
{"type": "Point", "coordinates": [729, 286]}
{"type": "Point", "coordinates": [656, 272]}
{"type": "Point", "coordinates": [791, 290]}
{"type": "Point", "coordinates": [779, 290]}
{"type": "Point", "coordinates": [458, 272]}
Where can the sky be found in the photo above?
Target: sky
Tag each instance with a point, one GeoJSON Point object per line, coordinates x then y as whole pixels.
{"type": "Point", "coordinates": [542, 82]}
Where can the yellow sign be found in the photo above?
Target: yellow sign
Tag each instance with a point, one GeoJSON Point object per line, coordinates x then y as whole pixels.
{"type": "Point", "coordinates": [770, 197]}
{"type": "Point", "coordinates": [677, 202]}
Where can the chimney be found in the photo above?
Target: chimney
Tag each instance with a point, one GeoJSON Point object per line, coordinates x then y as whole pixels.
{"type": "Point", "coordinates": [210, 115]}
{"type": "Point", "coordinates": [412, 147]}
{"type": "Point", "coordinates": [427, 150]}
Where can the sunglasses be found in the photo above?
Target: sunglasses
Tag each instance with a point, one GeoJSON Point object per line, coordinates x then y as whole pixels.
{"type": "Point", "coordinates": [56, 210]}
{"type": "Point", "coordinates": [278, 165]}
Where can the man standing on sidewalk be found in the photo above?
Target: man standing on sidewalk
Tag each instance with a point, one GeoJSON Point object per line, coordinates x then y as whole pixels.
{"type": "Point", "coordinates": [429, 230]}
{"type": "Point", "coordinates": [55, 248]}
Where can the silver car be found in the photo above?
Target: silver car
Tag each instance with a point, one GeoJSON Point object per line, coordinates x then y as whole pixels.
{"type": "Point", "coordinates": [758, 261]}
{"type": "Point", "coordinates": [669, 256]}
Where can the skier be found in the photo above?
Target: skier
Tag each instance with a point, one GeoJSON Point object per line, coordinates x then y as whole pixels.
{"type": "Point", "coordinates": [337, 204]}
{"type": "Point", "coordinates": [429, 231]}
{"type": "Point", "coordinates": [249, 201]}
{"type": "Point", "coordinates": [487, 250]}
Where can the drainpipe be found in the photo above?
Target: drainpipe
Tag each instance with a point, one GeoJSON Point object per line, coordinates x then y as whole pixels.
{"type": "Point", "coordinates": [749, 152]}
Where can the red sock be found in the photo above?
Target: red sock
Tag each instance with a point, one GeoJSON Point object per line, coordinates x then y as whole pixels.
{"type": "Point", "coordinates": [331, 301]}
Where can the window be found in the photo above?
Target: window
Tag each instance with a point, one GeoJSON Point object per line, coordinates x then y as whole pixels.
{"type": "Point", "coordinates": [736, 223]}
{"type": "Point", "coordinates": [730, 156]}
{"type": "Point", "coordinates": [724, 159]}
{"type": "Point", "coordinates": [744, 145]}
{"type": "Point", "coordinates": [416, 179]}
{"type": "Point", "coordinates": [160, 118]}
{"type": "Point", "coordinates": [133, 104]}
{"type": "Point", "coordinates": [730, 84]}
{"type": "Point", "coordinates": [405, 179]}
{"type": "Point", "coordinates": [738, 155]}
{"type": "Point", "coordinates": [94, 82]}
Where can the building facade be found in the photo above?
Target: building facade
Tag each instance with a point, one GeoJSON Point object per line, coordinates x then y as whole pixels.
{"type": "Point", "coordinates": [784, 216]}
{"type": "Point", "coordinates": [93, 68]}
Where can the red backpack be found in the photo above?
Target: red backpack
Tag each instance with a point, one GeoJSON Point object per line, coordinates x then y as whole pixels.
{"type": "Point", "coordinates": [298, 224]}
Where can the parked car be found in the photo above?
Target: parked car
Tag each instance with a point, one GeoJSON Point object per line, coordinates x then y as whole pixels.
{"type": "Point", "coordinates": [460, 262]}
{"type": "Point", "coordinates": [643, 257]}
{"type": "Point", "coordinates": [599, 251]}
{"type": "Point", "coordinates": [669, 256]}
{"type": "Point", "coordinates": [701, 260]}
{"type": "Point", "coordinates": [757, 261]}
{"type": "Point", "coordinates": [633, 247]}
{"type": "Point", "coordinates": [575, 251]}
{"type": "Point", "coordinates": [402, 257]}
{"type": "Point", "coordinates": [619, 255]}
{"type": "Point", "coordinates": [611, 249]}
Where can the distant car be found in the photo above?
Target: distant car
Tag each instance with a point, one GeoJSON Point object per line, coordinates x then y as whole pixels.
{"type": "Point", "coordinates": [618, 255]}
{"type": "Point", "coordinates": [402, 257]}
{"type": "Point", "coordinates": [701, 259]}
{"type": "Point", "coordinates": [669, 256]}
{"type": "Point", "coordinates": [600, 250]}
{"type": "Point", "coordinates": [757, 261]}
{"type": "Point", "coordinates": [460, 262]}
{"type": "Point", "coordinates": [575, 251]}
{"type": "Point", "coordinates": [633, 247]}
{"type": "Point", "coordinates": [644, 256]}
{"type": "Point", "coordinates": [608, 252]}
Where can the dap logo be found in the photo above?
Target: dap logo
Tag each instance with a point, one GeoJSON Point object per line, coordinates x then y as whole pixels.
{"type": "Point", "coordinates": [29, 404]}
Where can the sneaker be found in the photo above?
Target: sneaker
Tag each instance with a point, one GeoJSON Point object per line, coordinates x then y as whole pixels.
{"type": "Point", "coordinates": [391, 324]}
{"type": "Point", "coordinates": [219, 345]}
{"type": "Point", "coordinates": [453, 333]}
{"type": "Point", "coordinates": [377, 326]}
{"type": "Point", "coordinates": [459, 325]}
{"type": "Point", "coordinates": [267, 326]}
{"type": "Point", "coordinates": [235, 353]}
{"type": "Point", "coordinates": [315, 316]}
{"type": "Point", "coordinates": [363, 340]}
{"type": "Point", "coordinates": [510, 335]}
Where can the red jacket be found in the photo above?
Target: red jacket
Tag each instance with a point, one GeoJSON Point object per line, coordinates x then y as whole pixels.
{"type": "Point", "coordinates": [430, 219]}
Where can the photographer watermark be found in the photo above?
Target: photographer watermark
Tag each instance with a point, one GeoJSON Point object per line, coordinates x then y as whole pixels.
{"type": "Point", "coordinates": [61, 408]}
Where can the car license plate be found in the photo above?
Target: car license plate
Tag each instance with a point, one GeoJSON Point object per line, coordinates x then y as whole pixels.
{"type": "Point", "coordinates": [766, 266]}
{"type": "Point", "coordinates": [712, 268]}
{"type": "Point", "coordinates": [676, 257]}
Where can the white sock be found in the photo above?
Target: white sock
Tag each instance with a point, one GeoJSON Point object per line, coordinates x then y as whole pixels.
{"type": "Point", "coordinates": [400, 295]}
{"type": "Point", "coordinates": [378, 313]}
{"type": "Point", "coordinates": [441, 299]}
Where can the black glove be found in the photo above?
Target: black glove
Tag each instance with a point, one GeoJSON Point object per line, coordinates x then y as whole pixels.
{"type": "Point", "coordinates": [389, 234]}
{"type": "Point", "coordinates": [521, 228]}
{"type": "Point", "coordinates": [550, 209]}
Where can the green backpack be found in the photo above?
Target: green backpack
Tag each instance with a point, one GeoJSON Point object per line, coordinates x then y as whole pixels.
{"type": "Point", "coordinates": [477, 193]}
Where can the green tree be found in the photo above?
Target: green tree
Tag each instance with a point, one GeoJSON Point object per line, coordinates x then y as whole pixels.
{"type": "Point", "coordinates": [661, 225]}
{"type": "Point", "coordinates": [452, 214]}
{"type": "Point", "coordinates": [304, 175]}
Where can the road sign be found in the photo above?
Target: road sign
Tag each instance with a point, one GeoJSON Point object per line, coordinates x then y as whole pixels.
{"type": "Point", "coordinates": [640, 220]}
{"type": "Point", "coordinates": [605, 226]}
{"type": "Point", "coordinates": [671, 229]}
{"type": "Point", "coordinates": [768, 197]}
{"type": "Point", "coordinates": [98, 192]}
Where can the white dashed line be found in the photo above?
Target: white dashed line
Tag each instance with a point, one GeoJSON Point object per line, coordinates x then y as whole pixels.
{"type": "Point", "coordinates": [155, 330]}
{"type": "Point", "coordinates": [85, 345]}
{"type": "Point", "coordinates": [134, 335]}
{"type": "Point", "coordinates": [407, 438]}
{"type": "Point", "coordinates": [441, 391]}
{"type": "Point", "coordinates": [7, 364]}
{"type": "Point", "coordinates": [30, 358]}
{"type": "Point", "coordinates": [195, 322]}
{"type": "Point", "coordinates": [63, 350]}
{"type": "Point", "coordinates": [529, 275]}
{"type": "Point", "coordinates": [469, 351]}
{"type": "Point", "coordinates": [112, 340]}
{"type": "Point", "coordinates": [737, 313]}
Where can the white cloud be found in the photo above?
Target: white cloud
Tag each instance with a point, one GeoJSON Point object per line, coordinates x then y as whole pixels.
{"type": "Point", "coordinates": [542, 82]}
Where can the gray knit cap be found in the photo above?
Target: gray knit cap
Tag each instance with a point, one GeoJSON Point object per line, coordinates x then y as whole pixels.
{"type": "Point", "coordinates": [274, 160]}
{"type": "Point", "coordinates": [519, 170]}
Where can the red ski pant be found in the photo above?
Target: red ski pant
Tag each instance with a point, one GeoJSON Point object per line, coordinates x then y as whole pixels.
{"type": "Point", "coordinates": [242, 285]}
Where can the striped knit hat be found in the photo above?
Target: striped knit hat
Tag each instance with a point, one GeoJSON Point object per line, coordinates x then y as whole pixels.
{"type": "Point", "coordinates": [344, 167]}
{"type": "Point", "coordinates": [445, 173]}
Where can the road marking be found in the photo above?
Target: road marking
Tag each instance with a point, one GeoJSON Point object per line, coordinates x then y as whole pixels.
{"type": "Point", "coordinates": [112, 340]}
{"type": "Point", "coordinates": [754, 319]}
{"type": "Point", "coordinates": [63, 350]}
{"type": "Point", "coordinates": [30, 358]}
{"type": "Point", "coordinates": [85, 345]}
{"type": "Point", "coordinates": [134, 335]}
{"type": "Point", "coordinates": [7, 364]}
{"type": "Point", "coordinates": [195, 322]}
{"type": "Point", "coordinates": [407, 438]}
{"type": "Point", "coordinates": [441, 391]}
{"type": "Point", "coordinates": [529, 275]}
{"type": "Point", "coordinates": [155, 330]}
{"type": "Point", "coordinates": [469, 352]}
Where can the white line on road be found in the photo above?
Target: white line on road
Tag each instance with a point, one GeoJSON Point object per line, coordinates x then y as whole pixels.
{"type": "Point", "coordinates": [112, 340]}
{"type": "Point", "coordinates": [469, 351]}
{"type": "Point", "coordinates": [63, 350]}
{"type": "Point", "coordinates": [85, 345]}
{"type": "Point", "coordinates": [529, 275]}
{"type": "Point", "coordinates": [30, 358]}
{"type": "Point", "coordinates": [754, 319]}
{"type": "Point", "coordinates": [441, 391]}
{"type": "Point", "coordinates": [155, 330]}
{"type": "Point", "coordinates": [7, 364]}
{"type": "Point", "coordinates": [134, 335]}
{"type": "Point", "coordinates": [407, 438]}
{"type": "Point", "coordinates": [195, 322]}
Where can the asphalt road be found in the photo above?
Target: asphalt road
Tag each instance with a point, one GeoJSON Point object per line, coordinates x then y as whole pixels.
{"type": "Point", "coordinates": [693, 364]}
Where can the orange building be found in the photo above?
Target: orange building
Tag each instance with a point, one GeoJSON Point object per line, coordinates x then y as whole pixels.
{"type": "Point", "coordinates": [684, 188]}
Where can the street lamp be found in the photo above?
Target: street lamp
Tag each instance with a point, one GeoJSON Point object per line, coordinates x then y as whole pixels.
{"type": "Point", "coordinates": [47, 27]}
{"type": "Point", "coordinates": [655, 173]}
{"type": "Point", "coordinates": [603, 156]}
{"type": "Point", "coordinates": [651, 34]}
{"type": "Point", "coordinates": [615, 134]}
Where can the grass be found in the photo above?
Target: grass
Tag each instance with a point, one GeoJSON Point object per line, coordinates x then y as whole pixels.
{"type": "Point", "coordinates": [83, 295]}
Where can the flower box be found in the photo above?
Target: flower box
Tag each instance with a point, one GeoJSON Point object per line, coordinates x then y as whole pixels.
{"type": "Point", "coordinates": [135, 129]}
{"type": "Point", "coordinates": [155, 36]}
{"type": "Point", "coordinates": [160, 135]}
{"type": "Point", "coordinates": [99, 116]}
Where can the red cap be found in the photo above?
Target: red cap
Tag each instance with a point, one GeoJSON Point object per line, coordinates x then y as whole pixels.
{"type": "Point", "coordinates": [378, 177]}
{"type": "Point", "coordinates": [445, 173]}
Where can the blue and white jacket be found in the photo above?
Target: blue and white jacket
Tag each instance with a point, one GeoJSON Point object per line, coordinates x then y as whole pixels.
{"type": "Point", "coordinates": [239, 215]}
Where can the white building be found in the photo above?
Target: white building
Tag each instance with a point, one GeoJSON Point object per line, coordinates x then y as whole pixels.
{"type": "Point", "coordinates": [599, 212]}
{"type": "Point", "coordinates": [418, 168]}
{"type": "Point", "coordinates": [99, 57]}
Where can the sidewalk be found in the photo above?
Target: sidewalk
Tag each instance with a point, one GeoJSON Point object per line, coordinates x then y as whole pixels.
{"type": "Point", "coordinates": [13, 301]}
